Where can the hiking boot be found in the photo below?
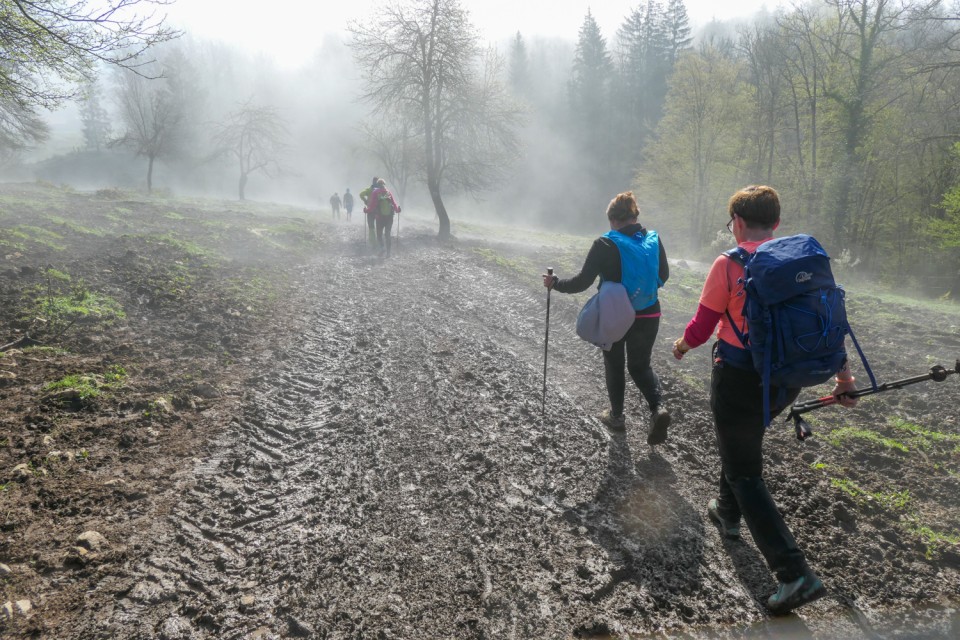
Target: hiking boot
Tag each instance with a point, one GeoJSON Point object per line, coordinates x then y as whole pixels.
{"type": "Point", "coordinates": [791, 595]}
{"type": "Point", "coordinates": [730, 529]}
{"type": "Point", "coordinates": [614, 423]}
{"type": "Point", "coordinates": [659, 421]}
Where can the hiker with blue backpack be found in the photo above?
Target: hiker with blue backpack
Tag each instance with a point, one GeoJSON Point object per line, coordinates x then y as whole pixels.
{"type": "Point", "coordinates": [788, 335]}
{"type": "Point", "coordinates": [631, 254]}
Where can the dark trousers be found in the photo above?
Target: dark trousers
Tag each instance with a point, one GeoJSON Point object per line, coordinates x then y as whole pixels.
{"type": "Point", "coordinates": [636, 346]}
{"type": "Point", "coordinates": [371, 225]}
{"type": "Point", "coordinates": [736, 398]}
{"type": "Point", "coordinates": [384, 224]}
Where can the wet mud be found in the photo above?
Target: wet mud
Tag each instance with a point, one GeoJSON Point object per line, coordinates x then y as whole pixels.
{"type": "Point", "coordinates": [390, 473]}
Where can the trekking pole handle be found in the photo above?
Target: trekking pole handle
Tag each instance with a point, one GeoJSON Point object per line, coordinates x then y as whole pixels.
{"type": "Point", "coordinates": [937, 373]}
{"type": "Point", "coordinates": [549, 271]}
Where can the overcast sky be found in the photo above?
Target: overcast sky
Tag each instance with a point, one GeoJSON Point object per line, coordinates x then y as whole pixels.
{"type": "Point", "coordinates": [290, 30]}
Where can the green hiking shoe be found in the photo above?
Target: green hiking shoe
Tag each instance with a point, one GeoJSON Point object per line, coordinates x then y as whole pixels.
{"type": "Point", "coordinates": [659, 421]}
{"type": "Point", "coordinates": [791, 595]}
{"type": "Point", "coordinates": [730, 529]}
{"type": "Point", "coordinates": [612, 422]}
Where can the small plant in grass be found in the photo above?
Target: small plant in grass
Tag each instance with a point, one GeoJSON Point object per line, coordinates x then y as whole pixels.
{"type": "Point", "coordinates": [931, 537]}
{"type": "Point", "coordinates": [64, 301]}
{"type": "Point", "coordinates": [85, 385]}
{"type": "Point", "coordinates": [116, 373]}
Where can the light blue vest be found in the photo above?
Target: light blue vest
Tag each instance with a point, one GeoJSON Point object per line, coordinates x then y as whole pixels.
{"type": "Point", "coordinates": [639, 266]}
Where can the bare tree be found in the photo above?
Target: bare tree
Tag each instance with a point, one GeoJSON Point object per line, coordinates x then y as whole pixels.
{"type": "Point", "coordinates": [151, 118]}
{"type": "Point", "coordinates": [424, 56]}
{"type": "Point", "coordinates": [48, 45]}
{"type": "Point", "coordinates": [395, 143]}
{"type": "Point", "coordinates": [255, 136]}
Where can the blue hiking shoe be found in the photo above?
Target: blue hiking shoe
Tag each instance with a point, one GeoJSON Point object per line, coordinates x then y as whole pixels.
{"type": "Point", "coordinates": [791, 595]}
{"type": "Point", "coordinates": [730, 529]}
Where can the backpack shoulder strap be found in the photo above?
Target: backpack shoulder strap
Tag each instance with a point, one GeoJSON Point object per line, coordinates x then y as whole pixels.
{"type": "Point", "coordinates": [741, 256]}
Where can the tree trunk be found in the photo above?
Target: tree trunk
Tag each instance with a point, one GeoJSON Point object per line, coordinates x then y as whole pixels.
{"type": "Point", "coordinates": [434, 186]}
{"type": "Point", "coordinates": [243, 186]}
{"type": "Point", "coordinates": [149, 174]}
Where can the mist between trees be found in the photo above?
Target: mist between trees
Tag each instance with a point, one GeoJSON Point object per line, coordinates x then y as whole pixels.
{"type": "Point", "coordinates": [848, 107]}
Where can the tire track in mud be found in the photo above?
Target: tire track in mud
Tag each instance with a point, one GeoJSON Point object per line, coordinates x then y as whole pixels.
{"type": "Point", "coordinates": [393, 476]}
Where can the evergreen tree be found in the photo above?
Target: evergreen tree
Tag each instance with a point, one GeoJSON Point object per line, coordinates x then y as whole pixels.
{"type": "Point", "coordinates": [592, 69]}
{"type": "Point", "coordinates": [519, 67]}
{"type": "Point", "coordinates": [94, 117]}
{"type": "Point", "coordinates": [676, 26]}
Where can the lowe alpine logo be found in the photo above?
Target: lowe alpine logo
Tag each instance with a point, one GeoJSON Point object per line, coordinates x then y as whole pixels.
{"type": "Point", "coordinates": [803, 276]}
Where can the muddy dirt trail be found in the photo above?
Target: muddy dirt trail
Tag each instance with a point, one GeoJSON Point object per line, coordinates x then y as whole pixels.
{"type": "Point", "coordinates": [392, 477]}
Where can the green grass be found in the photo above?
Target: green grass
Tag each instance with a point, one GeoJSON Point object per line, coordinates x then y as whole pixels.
{"type": "Point", "coordinates": [185, 246]}
{"type": "Point", "coordinates": [519, 265]}
{"type": "Point", "coordinates": [74, 227]}
{"type": "Point", "coordinates": [838, 437]}
{"type": "Point", "coordinates": [65, 308]}
{"type": "Point", "coordinates": [924, 438]}
{"type": "Point", "coordinates": [85, 385]}
{"type": "Point", "coordinates": [89, 385]}
{"type": "Point", "coordinates": [892, 500]}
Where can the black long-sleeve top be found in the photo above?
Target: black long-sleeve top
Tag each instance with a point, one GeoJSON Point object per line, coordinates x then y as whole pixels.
{"type": "Point", "coordinates": [603, 259]}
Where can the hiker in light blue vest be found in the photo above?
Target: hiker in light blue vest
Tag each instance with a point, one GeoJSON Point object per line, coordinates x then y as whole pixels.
{"type": "Point", "coordinates": [633, 255]}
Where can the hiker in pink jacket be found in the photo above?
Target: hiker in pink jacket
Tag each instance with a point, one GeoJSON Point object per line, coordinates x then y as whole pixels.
{"type": "Point", "coordinates": [382, 204]}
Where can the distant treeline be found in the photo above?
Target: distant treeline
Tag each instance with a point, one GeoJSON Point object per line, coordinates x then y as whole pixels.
{"type": "Point", "coordinates": [848, 107]}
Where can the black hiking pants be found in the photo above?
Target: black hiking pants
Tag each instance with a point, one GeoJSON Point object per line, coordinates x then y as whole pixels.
{"type": "Point", "coordinates": [636, 346]}
{"type": "Point", "coordinates": [736, 398]}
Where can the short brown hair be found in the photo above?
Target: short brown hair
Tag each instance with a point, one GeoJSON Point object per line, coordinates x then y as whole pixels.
{"type": "Point", "coordinates": [759, 206]}
{"type": "Point", "coordinates": [623, 207]}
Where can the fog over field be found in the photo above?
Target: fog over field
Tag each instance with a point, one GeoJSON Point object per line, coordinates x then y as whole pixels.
{"type": "Point", "coordinates": [555, 108]}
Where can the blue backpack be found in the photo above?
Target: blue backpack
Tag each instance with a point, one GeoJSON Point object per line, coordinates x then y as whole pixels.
{"type": "Point", "coordinates": [795, 314]}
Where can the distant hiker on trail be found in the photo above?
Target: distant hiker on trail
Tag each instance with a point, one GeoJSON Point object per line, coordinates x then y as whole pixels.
{"type": "Point", "coordinates": [335, 205]}
{"type": "Point", "coordinates": [371, 215]}
{"type": "Point", "coordinates": [383, 206]}
{"type": "Point", "coordinates": [633, 255]}
{"type": "Point", "coordinates": [736, 398]}
{"type": "Point", "coordinates": [348, 204]}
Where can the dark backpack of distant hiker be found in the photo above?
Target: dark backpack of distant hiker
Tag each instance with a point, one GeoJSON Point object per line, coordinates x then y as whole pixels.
{"type": "Point", "coordinates": [795, 314]}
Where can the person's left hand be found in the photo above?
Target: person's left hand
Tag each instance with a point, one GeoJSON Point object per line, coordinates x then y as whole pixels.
{"type": "Point", "coordinates": [680, 347]}
{"type": "Point", "coordinates": [842, 388]}
{"type": "Point", "coordinates": [549, 280]}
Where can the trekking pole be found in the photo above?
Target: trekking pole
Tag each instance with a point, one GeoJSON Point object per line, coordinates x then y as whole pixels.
{"type": "Point", "coordinates": [398, 233]}
{"type": "Point", "coordinates": [546, 341]}
{"type": "Point", "coordinates": [937, 373]}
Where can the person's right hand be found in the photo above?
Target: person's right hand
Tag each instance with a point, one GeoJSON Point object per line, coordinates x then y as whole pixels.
{"type": "Point", "coordinates": [549, 280]}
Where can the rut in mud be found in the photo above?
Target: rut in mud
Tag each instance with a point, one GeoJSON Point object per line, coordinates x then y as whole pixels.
{"type": "Point", "coordinates": [393, 476]}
